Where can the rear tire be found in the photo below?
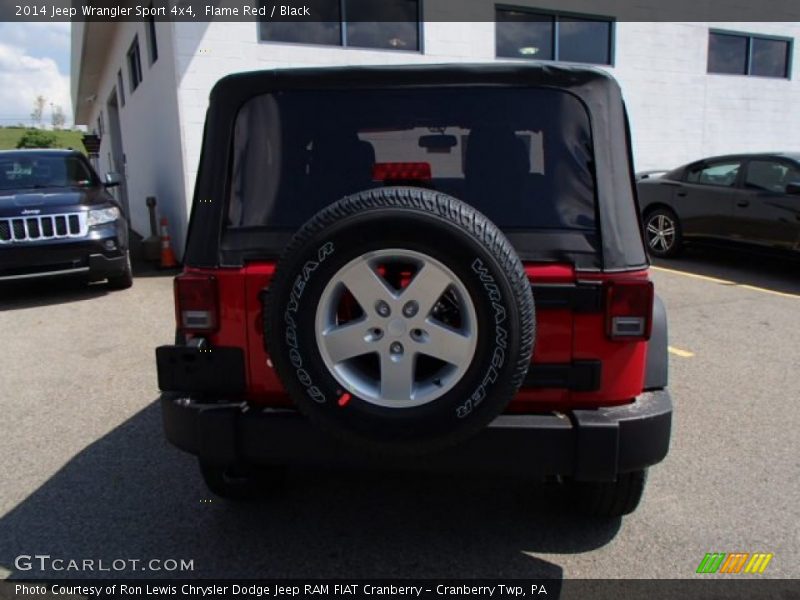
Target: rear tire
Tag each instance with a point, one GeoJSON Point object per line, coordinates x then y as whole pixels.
{"type": "Point", "coordinates": [413, 367]}
{"type": "Point", "coordinates": [608, 499]}
{"type": "Point", "coordinates": [663, 233]}
{"type": "Point", "coordinates": [125, 279]}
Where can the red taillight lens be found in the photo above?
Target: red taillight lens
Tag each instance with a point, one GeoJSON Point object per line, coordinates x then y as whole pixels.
{"type": "Point", "coordinates": [401, 171]}
{"type": "Point", "coordinates": [629, 310]}
{"type": "Point", "coordinates": [196, 303]}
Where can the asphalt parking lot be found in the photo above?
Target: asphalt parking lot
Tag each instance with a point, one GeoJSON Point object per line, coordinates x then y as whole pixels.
{"type": "Point", "coordinates": [87, 474]}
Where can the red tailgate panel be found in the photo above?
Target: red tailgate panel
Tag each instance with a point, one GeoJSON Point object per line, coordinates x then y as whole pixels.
{"type": "Point", "coordinates": [561, 337]}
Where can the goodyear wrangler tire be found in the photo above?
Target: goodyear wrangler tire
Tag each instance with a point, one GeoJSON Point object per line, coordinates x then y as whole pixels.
{"type": "Point", "coordinates": [400, 319]}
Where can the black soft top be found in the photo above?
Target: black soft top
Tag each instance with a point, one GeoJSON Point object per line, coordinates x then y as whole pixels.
{"type": "Point", "coordinates": [622, 246]}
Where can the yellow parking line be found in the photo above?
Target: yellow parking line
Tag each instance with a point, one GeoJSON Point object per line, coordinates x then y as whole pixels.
{"type": "Point", "coordinates": [766, 291]}
{"type": "Point", "coordinates": [681, 353]}
{"type": "Point", "coordinates": [745, 286]}
{"type": "Point", "coordinates": [695, 276]}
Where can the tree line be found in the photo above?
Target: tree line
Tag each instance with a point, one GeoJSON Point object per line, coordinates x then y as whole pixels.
{"type": "Point", "coordinates": [57, 117]}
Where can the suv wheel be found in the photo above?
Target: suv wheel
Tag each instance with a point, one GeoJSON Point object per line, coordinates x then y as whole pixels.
{"type": "Point", "coordinates": [662, 231]}
{"type": "Point", "coordinates": [125, 279]}
{"type": "Point", "coordinates": [400, 319]}
{"type": "Point", "coordinates": [608, 499]}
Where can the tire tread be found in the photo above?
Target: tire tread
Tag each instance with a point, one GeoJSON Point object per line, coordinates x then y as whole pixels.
{"type": "Point", "coordinates": [449, 209]}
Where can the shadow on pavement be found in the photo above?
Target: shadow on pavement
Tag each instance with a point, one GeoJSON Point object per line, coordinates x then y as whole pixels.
{"type": "Point", "coordinates": [45, 292]}
{"type": "Point", "coordinates": [142, 270]}
{"type": "Point", "coordinates": [779, 273]}
{"type": "Point", "coordinates": [130, 495]}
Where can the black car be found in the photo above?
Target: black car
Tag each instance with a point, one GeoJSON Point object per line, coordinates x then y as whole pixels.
{"type": "Point", "coordinates": [746, 198]}
{"type": "Point", "coordinates": [56, 218]}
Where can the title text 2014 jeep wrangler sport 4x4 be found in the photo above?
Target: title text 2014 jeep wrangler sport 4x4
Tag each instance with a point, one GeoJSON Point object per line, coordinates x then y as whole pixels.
{"type": "Point", "coordinates": [366, 249]}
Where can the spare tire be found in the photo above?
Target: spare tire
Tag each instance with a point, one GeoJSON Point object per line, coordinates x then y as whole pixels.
{"type": "Point", "coordinates": [400, 319]}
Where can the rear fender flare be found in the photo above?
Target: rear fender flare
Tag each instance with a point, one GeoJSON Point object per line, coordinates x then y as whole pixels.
{"type": "Point", "coordinates": [657, 368]}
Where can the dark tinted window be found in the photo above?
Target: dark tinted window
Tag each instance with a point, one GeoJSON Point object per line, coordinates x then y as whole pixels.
{"type": "Point", "coordinates": [770, 175]}
{"type": "Point", "coordinates": [25, 171]}
{"type": "Point", "coordinates": [743, 54]}
{"type": "Point", "coordinates": [135, 64]}
{"type": "Point", "coordinates": [727, 54]}
{"type": "Point", "coordinates": [526, 34]}
{"type": "Point", "coordinates": [326, 28]}
{"type": "Point", "coordinates": [722, 173]}
{"type": "Point", "coordinates": [584, 41]}
{"type": "Point", "coordinates": [388, 24]}
{"type": "Point", "coordinates": [152, 41]}
{"type": "Point", "coordinates": [770, 58]}
{"type": "Point", "coordinates": [522, 156]}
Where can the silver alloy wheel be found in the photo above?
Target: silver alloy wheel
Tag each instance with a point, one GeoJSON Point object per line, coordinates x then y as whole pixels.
{"type": "Point", "coordinates": [431, 316]}
{"type": "Point", "coordinates": [661, 232]}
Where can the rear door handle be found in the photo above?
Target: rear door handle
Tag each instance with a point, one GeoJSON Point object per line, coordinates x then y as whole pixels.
{"type": "Point", "coordinates": [682, 194]}
{"type": "Point", "coordinates": [743, 204]}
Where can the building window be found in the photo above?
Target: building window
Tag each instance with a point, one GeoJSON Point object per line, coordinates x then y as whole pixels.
{"type": "Point", "coordinates": [745, 54]}
{"type": "Point", "coordinates": [135, 64]}
{"type": "Point", "coordinates": [152, 43]}
{"type": "Point", "coordinates": [387, 25]}
{"type": "Point", "coordinates": [541, 35]}
{"type": "Point", "coordinates": [100, 124]}
{"type": "Point", "coordinates": [121, 88]}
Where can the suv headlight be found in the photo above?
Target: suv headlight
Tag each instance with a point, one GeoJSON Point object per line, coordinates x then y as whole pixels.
{"type": "Point", "coordinates": [103, 215]}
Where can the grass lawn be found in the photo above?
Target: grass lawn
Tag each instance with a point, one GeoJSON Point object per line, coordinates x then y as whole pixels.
{"type": "Point", "coordinates": [66, 139]}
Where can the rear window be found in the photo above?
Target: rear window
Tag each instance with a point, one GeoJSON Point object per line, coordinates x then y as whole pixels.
{"type": "Point", "coordinates": [522, 156]}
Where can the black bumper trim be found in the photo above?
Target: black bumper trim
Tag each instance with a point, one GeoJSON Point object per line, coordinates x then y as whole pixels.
{"type": "Point", "coordinates": [218, 370]}
{"type": "Point", "coordinates": [588, 445]}
{"type": "Point", "coordinates": [95, 267]}
{"type": "Point", "coordinates": [580, 297]}
{"type": "Point", "coordinates": [578, 376]}
{"type": "Point", "coordinates": [101, 266]}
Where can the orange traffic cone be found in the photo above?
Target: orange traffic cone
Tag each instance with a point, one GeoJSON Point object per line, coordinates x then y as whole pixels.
{"type": "Point", "coordinates": [167, 255]}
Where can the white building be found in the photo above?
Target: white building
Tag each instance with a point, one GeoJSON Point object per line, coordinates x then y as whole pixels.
{"type": "Point", "coordinates": [693, 89]}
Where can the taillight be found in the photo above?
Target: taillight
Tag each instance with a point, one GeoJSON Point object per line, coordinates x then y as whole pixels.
{"type": "Point", "coordinates": [629, 310]}
{"type": "Point", "coordinates": [401, 171]}
{"type": "Point", "coordinates": [196, 303]}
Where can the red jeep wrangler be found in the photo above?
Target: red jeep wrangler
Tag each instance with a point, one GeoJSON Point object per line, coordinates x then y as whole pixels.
{"type": "Point", "coordinates": [425, 266]}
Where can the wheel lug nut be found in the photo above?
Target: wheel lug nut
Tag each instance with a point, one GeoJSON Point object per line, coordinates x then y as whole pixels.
{"type": "Point", "coordinates": [383, 309]}
{"type": "Point", "coordinates": [410, 309]}
{"type": "Point", "coordinates": [396, 348]}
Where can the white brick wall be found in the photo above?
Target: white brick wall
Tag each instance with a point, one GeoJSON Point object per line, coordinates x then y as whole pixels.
{"type": "Point", "coordinates": [679, 112]}
{"type": "Point", "coordinates": [150, 126]}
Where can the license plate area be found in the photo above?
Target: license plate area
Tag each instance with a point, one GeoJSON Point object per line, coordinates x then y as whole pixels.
{"type": "Point", "coordinates": [217, 370]}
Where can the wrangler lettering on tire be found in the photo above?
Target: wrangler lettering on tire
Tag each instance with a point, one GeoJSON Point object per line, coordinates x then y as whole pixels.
{"type": "Point", "coordinates": [422, 319]}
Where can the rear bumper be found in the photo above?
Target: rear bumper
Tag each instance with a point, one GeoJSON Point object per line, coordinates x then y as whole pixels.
{"type": "Point", "coordinates": [587, 445]}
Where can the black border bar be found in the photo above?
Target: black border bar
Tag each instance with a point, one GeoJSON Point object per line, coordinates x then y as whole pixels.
{"type": "Point", "coordinates": [694, 586]}
{"type": "Point", "coordinates": [432, 10]}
